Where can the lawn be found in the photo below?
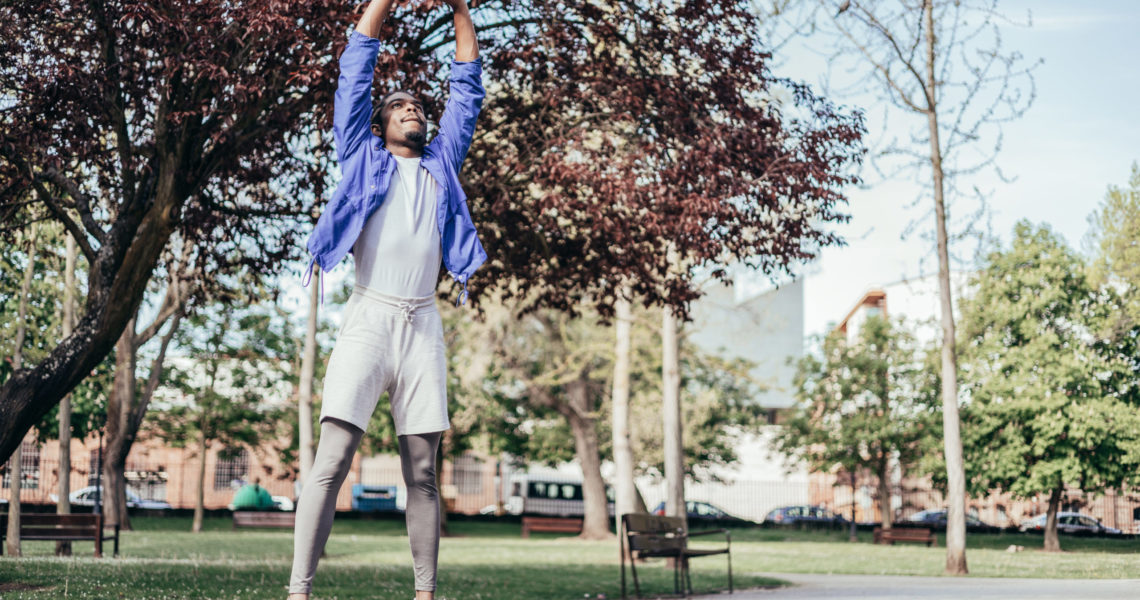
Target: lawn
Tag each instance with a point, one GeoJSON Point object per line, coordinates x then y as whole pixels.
{"type": "Point", "coordinates": [370, 559]}
{"type": "Point", "coordinates": [365, 559]}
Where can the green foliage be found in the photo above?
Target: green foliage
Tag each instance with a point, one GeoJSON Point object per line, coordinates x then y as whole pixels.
{"type": "Point", "coordinates": [513, 370]}
{"type": "Point", "coordinates": [232, 353]}
{"type": "Point", "coordinates": [1114, 239]}
{"type": "Point", "coordinates": [45, 324]}
{"type": "Point", "coordinates": [1040, 409]}
{"type": "Point", "coordinates": [862, 404]}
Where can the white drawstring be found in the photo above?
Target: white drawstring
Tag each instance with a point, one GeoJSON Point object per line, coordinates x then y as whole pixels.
{"type": "Point", "coordinates": [407, 309]}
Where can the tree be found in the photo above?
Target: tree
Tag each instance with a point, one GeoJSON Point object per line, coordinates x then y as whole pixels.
{"type": "Point", "coordinates": [233, 359]}
{"type": "Point", "coordinates": [1039, 413]}
{"type": "Point", "coordinates": [1114, 230]}
{"type": "Point", "coordinates": [128, 120]}
{"type": "Point", "coordinates": [861, 406]}
{"type": "Point", "coordinates": [602, 156]}
{"type": "Point", "coordinates": [940, 60]}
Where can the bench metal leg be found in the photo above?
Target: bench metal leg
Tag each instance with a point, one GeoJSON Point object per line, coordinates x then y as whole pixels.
{"type": "Point", "coordinates": [621, 549]}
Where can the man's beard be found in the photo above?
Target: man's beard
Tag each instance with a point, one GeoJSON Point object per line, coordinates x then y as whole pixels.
{"type": "Point", "coordinates": [416, 137]}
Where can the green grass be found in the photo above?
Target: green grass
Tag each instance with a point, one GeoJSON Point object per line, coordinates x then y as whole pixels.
{"type": "Point", "coordinates": [365, 559]}
{"type": "Point", "coordinates": [370, 559]}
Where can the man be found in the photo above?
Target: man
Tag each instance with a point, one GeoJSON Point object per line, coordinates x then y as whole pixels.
{"type": "Point", "coordinates": [401, 212]}
{"type": "Point", "coordinates": [252, 496]}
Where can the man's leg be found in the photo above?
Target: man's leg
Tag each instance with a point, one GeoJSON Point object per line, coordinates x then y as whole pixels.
{"type": "Point", "coordinates": [417, 459]}
{"type": "Point", "coordinates": [317, 504]}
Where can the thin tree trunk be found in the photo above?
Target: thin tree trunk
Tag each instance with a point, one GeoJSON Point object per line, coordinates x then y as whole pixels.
{"type": "Point", "coordinates": [671, 409]}
{"type": "Point", "coordinates": [308, 367]}
{"type": "Point", "coordinates": [852, 536]}
{"type": "Point", "coordinates": [1052, 541]}
{"type": "Point", "coordinates": [952, 437]}
{"type": "Point", "coordinates": [624, 488]}
{"type": "Point", "coordinates": [63, 504]}
{"type": "Point", "coordinates": [15, 470]}
{"type": "Point", "coordinates": [200, 500]}
{"type": "Point", "coordinates": [885, 493]}
{"type": "Point", "coordinates": [119, 405]}
{"type": "Point", "coordinates": [595, 521]}
{"type": "Point", "coordinates": [15, 475]}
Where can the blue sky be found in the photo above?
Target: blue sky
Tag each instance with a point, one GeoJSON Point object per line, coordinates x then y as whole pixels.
{"type": "Point", "coordinates": [1081, 135]}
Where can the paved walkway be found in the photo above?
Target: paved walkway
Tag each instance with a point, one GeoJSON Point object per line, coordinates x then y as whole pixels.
{"type": "Point", "coordinates": [884, 587]}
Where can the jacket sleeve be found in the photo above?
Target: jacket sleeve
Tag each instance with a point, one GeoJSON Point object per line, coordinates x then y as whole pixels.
{"type": "Point", "coordinates": [457, 125]}
{"type": "Point", "coordinates": [352, 106]}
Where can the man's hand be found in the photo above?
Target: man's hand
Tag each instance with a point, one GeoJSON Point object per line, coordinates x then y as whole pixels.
{"type": "Point", "coordinates": [457, 5]}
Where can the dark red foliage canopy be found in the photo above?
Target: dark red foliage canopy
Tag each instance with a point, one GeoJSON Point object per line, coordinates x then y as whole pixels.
{"type": "Point", "coordinates": [628, 128]}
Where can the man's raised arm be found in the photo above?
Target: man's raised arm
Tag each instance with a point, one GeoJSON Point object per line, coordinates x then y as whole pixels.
{"type": "Point", "coordinates": [466, 46]}
{"type": "Point", "coordinates": [457, 125]}
{"type": "Point", "coordinates": [352, 106]}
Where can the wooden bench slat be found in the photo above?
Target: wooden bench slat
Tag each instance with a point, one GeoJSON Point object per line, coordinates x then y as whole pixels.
{"type": "Point", "coordinates": [53, 519]}
{"type": "Point", "coordinates": [26, 532]}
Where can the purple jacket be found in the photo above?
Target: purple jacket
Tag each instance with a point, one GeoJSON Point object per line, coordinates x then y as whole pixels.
{"type": "Point", "coordinates": [367, 166]}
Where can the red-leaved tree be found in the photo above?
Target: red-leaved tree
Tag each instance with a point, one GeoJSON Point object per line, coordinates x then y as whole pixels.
{"type": "Point", "coordinates": [623, 132]}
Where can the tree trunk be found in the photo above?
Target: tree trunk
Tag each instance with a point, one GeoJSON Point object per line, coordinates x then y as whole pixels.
{"type": "Point", "coordinates": [885, 493]}
{"type": "Point", "coordinates": [596, 520]}
{"type": "Point", "coordinates": [624, 488]}
{"type": "Point", "coordinates": [852, 534]}
{"type": "Point", "coordinates": [15, 468]}
{"type": "Point", "coordinates": [15, 475]}
{"type": "Point", "coordinates": [200, 500]}
{"type": "Point", "coordinates": [119, 405]}
{"type": "Point", "coordinates": [1052, 541]}
{"type": "Point", "coordinates": [305, 396]}
{"type": "Point", "coordinates": [63, 505]}
{"type": "Point", "coordinates": [952, 437]}
{"type": "Point", "coordinates": [671, 409]}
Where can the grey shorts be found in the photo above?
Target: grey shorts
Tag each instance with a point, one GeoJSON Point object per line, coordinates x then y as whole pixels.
{"type": "Point", "coordinates": [394, 345]}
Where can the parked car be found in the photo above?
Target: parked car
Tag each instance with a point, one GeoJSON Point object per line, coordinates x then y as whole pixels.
{"type": "Point", "coordinates": [795, 515]}
{"type": "Point", "coordinates": [703, 511]}
{"type": "Point", "coordinates": [936, 519]}
{"type": "Point", "coordinates": [1069, 522]}
{"type": "Point", "coordinates": [86, 497]}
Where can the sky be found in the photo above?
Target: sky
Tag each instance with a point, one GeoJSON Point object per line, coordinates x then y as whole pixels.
{"type": "Point", "coordinates": [1081, 135]}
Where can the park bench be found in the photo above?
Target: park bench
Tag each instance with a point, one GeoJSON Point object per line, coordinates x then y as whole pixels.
{"type": "Point", "coordinates": [61, 528]}
{"type": "Point", "coordinates": [652, 536]}
{"type": "Point", "coordinates": [551, 524]}
{"type": "Point", "coordinates": [903, 534]}
{"type": "Point", "coordinates": [264, 519]}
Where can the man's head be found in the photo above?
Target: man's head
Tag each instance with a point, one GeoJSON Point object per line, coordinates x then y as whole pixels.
{"type": "Point", "coordinates": [399, 120]}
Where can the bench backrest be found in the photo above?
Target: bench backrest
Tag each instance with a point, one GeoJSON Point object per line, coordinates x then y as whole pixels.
{"type": "Point", "coordinates": [41, 524]}
{"type": "Point", "coordinates": [653, 533]}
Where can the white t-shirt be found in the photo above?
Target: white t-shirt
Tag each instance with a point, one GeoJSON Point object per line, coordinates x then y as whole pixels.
{"type": "Point", "coordinates": [398, 252]}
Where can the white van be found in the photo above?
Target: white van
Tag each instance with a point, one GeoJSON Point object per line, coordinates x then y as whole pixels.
{"type": "Point", "coordinates": [552, 495]}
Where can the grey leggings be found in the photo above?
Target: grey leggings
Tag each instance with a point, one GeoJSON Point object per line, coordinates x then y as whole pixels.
{"type": "Point", "coordinates": [317, 503]}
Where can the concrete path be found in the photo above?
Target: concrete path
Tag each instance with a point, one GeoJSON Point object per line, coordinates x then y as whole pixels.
{"type": "Point", "coordinates": [884, 587]}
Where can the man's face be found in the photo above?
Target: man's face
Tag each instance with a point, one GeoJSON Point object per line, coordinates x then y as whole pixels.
{"type": "Point", "coordinates": [402, 120]}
